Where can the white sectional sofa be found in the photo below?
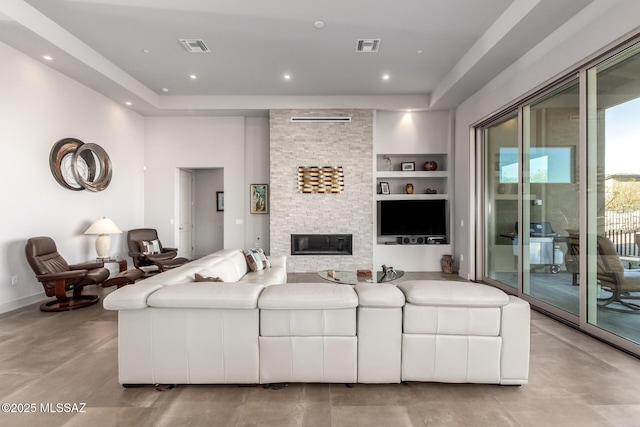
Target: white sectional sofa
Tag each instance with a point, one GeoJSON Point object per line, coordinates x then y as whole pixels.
{"type": "Point", "coordinates": [244, 331]}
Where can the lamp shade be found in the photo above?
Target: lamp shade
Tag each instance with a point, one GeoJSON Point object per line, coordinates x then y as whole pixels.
{"type": "Point", "coordinates": [103, 227]}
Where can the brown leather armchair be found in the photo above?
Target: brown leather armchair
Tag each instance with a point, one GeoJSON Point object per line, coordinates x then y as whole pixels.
{"type": "Point", "coordinates": [147, 260]}
{"type": "Point", "coordinates": [58, 277]}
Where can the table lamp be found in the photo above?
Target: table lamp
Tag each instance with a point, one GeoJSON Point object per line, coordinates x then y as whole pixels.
{"type": "Point", "coordinates": [103, 227]}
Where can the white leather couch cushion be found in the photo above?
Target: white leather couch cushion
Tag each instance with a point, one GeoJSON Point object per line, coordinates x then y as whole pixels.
{"type": "Point", "coordinates": [451, 359]}
{"type": "Point", "coordinates": [305, 323]}
{"type": "Point", "coordinates": [424, 319]}
{"type": "Point", "coordinates": [188, 346]}
{"type": "Point", "coordinates": [183, 274]}
{"type": "Point", "coordinates": [451, 293]}
{"type": "Point", "coordinates": [381, 295]}
{"type": "Point", "coordinates": [294, 296]}
{"type": "Point", "coordinates": [308, 359]}
{"type": "Point", "coordinates": [308, 309]}
{"type": "Point", "coordinates": [266, 277]}
{"type": "Point", "coordinates": [130, 297]}
{"type": "Point", "coordinates": [379, 333]}
{"type": "Point", "coordinates": [227, 270]}
{"type": "Point", "coordinates": [206, 295]}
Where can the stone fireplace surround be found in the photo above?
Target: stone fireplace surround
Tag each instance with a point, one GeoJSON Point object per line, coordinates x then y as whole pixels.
{"type": "Point", "coordinates": [349, 145]}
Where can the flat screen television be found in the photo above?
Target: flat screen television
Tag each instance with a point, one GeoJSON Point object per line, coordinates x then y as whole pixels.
{"type": "Point", "coordinates": [413, 217]}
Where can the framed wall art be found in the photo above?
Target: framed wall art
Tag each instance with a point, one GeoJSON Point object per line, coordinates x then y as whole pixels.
{"type": "Point", "coordinates": [259, 198]}
{"type": "Point", "coordinates": [408, 166]}
{"type": "Point", "coordinates": [384, 188]}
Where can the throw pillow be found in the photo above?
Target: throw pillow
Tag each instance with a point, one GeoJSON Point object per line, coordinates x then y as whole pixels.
{"type": "Point", "coordinates": [150, 247]}
{"type": "Point", "coordinates": [253, 260]}
{"type": "Point", "coordinates": [265, 261]}
{"type": "Point", "coordinates": [256, 259]}
{"type": "Point", "coordinates": [201, 278]}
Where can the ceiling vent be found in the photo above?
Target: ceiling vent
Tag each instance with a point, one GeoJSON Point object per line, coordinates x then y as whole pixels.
{"type": "Point", "coordinates": [368, 45]}
{"type": "Point", "coordinates": [194, 45]}
{"type": "Point", "coordinates": [321, 119]}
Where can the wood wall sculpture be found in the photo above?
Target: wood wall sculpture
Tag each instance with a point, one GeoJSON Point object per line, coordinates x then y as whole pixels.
{"type": "Point", "coordinates": [320, 179]}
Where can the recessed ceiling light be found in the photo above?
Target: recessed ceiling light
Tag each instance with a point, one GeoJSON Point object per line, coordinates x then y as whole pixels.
{"type": "Point", "coordinates": [319, 24]}
{"type": "Point", "coordinates": [128, 103]}
{"type": "Point", "coordinates": [193, 76]}
{"type": "Point", "coordinates": [420, 51]}
{"type": "Point", "coordinates": [386, 77]}
{"type": "Point", "coordinates": [47, 57]}
{"type": "Point", "coordinates": [287, 77]}
{"type": "Point", "coordinates": [164, 89]}
{"type": "Point", "coordinates": [146, 51]}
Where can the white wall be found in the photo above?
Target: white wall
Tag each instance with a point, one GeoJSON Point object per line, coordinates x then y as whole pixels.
{"type": "Point", "coordinates": [194, 143]}
{"type": "Point", "coordinates": [256, 172]}
{"type": "Point", "coordinates": [597, 26]}
{"type": "Point", "coordinates": [38, 107]}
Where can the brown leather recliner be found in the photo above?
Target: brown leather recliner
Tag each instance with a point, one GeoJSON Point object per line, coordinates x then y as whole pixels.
{"type": "Point", "coordinates": [58, 277]}
{"type": "Point", "coordinates": [147, 260]}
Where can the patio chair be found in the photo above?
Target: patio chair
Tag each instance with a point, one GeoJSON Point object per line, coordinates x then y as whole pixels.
{"type": "Point", "coordinates": [624, 285]}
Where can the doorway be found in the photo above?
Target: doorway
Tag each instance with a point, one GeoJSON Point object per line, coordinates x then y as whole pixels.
{"type": "Point", "coordinates": [203, 202]}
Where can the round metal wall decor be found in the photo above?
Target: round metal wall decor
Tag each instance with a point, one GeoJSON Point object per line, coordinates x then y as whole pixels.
{"type": "Point", "coordinates": [78, 166]}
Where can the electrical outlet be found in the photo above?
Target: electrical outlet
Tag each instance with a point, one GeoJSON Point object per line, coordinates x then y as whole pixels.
{"type": "Point", "coordinates": [14, 280]}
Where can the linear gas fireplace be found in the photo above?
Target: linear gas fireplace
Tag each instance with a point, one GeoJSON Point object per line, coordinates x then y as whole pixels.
{"type": "Point", "coordinates": [321, 244]}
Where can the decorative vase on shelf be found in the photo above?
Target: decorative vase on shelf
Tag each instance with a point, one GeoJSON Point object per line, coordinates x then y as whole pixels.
{"type": "Point", "coordinates": [447, 262]}
{"type": "Point", "coordinates": [388, 166]}
{"type": "Point", "coordinates": [409, 188]}
{"type": "Point", "coordinates": [430, 166]}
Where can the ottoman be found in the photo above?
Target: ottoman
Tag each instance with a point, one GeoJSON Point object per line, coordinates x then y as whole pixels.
{"type": "Point", "coordinates": [308, 333]}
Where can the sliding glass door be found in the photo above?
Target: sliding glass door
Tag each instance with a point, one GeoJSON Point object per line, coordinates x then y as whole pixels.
{"type": "Point", "coordinates": [560, 198]}
{"type": "Point", "coordinates": [501, 201]}
{"type": "Point", "coordinates": [551, 196]}
{"type": "Point", "coordinates": [614, 195]}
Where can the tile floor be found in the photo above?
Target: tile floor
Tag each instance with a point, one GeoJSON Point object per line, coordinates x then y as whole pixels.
{"type": "Point", "coordinates": [71, 358]}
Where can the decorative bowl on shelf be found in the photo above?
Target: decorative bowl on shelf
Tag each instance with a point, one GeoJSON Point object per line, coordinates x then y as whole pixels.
{"type": "Point", "coordinates": [430, 166]}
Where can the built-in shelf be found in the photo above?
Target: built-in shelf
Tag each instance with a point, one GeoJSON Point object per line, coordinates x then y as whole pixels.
{"type": "Point", "coordinates": [404, 144]}
{"type": "Point", "coordinates": [423, 181]}
{"type": "Point", "coordinates": [411, 197]}
{"type": "Point", "coordinates": [414, 174]}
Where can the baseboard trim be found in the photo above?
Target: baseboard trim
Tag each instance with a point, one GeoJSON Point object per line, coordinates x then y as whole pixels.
{"type": "Point", "coordinates": [22, 302]}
